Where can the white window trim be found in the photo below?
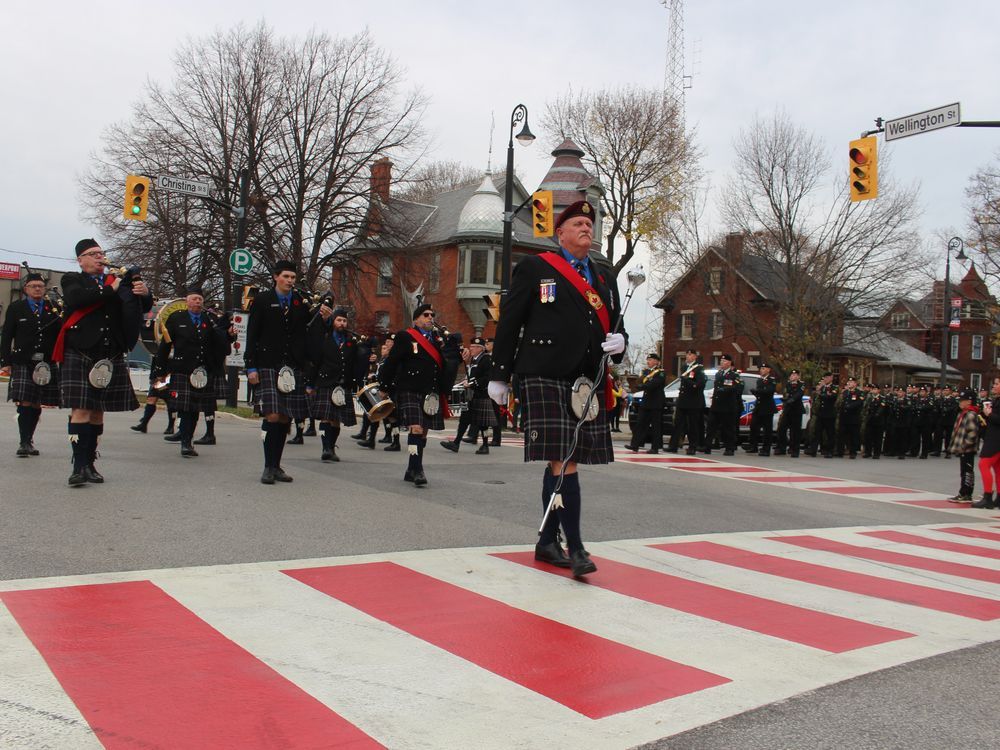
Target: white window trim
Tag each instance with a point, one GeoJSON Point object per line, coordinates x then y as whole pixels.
{"type": "Point", "coordinates": [953, 346]}
{"type": "Point", "coordinates": [751, 365]}
{"type": "Point", "coordinates": [982, 345]}
{"type": "Point", "coordinates": [690, 335]}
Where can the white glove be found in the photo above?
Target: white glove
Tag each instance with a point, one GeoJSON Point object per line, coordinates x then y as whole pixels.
{"type": "Point", "coordinates": [497, 389]}
{"type": "Point", "coordinates": [614, 343]}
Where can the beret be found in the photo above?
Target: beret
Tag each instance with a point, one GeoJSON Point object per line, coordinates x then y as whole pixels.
{"type": "Point", "coordinates": [580, 208]}
{"type": "Point", "coordinates": [84, 245]}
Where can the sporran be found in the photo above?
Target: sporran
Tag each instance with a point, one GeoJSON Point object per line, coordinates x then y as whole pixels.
{"type": "Point", "coordinates": [286, 379]}
{"type": "Point", "coordinates": [42, 374]}
{"type": "Point", "coordinates": [199, 378]}
{"type": "Point", "coordinates": [100, 374]}
{"type": "Point", "coordinates": [338, 397]}
{"type": "Point", "coordinates": [432, 404]}
{"type": "Point", "coordinates": [581, 390]}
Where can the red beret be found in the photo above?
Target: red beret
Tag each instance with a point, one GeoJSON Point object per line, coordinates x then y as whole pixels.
{"type": "Point", "coordinates": [580, 208]}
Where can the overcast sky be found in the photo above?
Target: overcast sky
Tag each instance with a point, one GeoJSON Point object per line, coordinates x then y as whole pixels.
{"type": "Point", "coordinates": [68, 69]}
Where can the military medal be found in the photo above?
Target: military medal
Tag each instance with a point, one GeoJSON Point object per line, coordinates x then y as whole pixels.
{"type": "Point", "coordinates": [594, 299]}
{"type": "Point", "coordinates": [547, 291]}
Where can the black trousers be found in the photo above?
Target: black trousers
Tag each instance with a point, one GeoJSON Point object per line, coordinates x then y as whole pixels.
{"type": "Point", "coordinates": [725, 425]}
{"type": "Point", "coordinates": [850, 437]}
{"type": "Point", "coordinates": [873, 438]}
{"type": "Point", "coordinates": [789, 431]}
{"type": "Point", "coordinates": [649, 425]}
{"type": "Point", "coordinates": [761, 422]}
{"type": "Point", "coordinates": [966, 465]}
{"type": "Point", "coordinates": [688, 423]}
{"type": "Point", "coordinates": [825, 436]}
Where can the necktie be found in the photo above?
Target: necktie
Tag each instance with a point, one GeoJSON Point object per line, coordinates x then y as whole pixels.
{"type": "Point", "coordinates": [580, 269]}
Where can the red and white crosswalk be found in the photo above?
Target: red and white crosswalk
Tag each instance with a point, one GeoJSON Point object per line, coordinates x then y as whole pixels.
{"type": "Point", "coordinates": [482, 647]}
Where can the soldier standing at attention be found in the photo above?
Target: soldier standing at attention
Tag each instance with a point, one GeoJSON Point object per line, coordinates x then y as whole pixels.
{"type": "Point", "coordinates": [763, 412]}
{"type": "Point", "coordinates": [825, 406]}
{"type": "Point", "coordinates": [727, 405]}
{"type": "Point", "coordinates": [790, 421]}
{"type": "Point", "coordinates": [649, 420]}
{"type": "Point", "coordinates": [690, 408]}
{"type": "Point", "coordinates": [852, 401]}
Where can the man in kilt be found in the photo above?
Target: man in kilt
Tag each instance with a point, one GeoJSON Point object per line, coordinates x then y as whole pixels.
{"type": "Point", "coordinates": [556, 322]}
{"type": "Point", "coordinates": [103, 319]}
{"type": "Point", "coordinates": [333, 354]}
{"type": "Point", "coordinates": [479, 412]}
{"type": "Point", "coordinates": [191, 351]}
{"type": "Point", "coordinates": [29, 333]}
{"type": "Point", "coordinates": [276, 363]}
{"type": "Point", "coordinates": [414, 376]}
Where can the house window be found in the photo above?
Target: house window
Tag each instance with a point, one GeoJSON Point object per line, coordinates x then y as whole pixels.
{"type": "Point", "coordinates": [716, 324]}
{"type": "Point", "coordinates": [344, 282]}
{"type": "Point", "coordinates": [384, 284]}
{"type": "Point", "coordinates": [479, 265]}
{"type": "Point", "coordinates": [382, 320]}
{"type": "Point", "coordinates": [687, 325]}
{"type": "Point", "coordinates": [715, 281]}
{"type": "Point", "coordinates": [716, 356]}
{"type": "Point", "coordinates": [900, 320]}
{"type": "Point", "coordinates": [976, 380]}
{"type": "Point", "coordinates": [977, 347]}
{"type": "Point", "coordinates": [434, 272]}
{"type": "Point", "coordinates": [953, 354]}
{"type": "Point", "coordinates": [680, 363]}
{"type": "Point", "coordinates": [753, 361]}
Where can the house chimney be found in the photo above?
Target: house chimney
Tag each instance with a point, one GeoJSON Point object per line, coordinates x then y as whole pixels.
{"type": "Point", "coordinates": [381, 177]}
{"type": "Point", "coordinates": [734, 248]}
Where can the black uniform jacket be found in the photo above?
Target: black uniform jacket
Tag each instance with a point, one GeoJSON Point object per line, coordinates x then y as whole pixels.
{"type": "Point", "coordinates": [117, 321]}
{"type": "Point", "coordinates": [692, 388]}
{"type": "Point", "coordinates": [727, 395]}
{"type": "Point", "coordinates": [409, 368]}
{"type": "Point", "coordinates": [558, 339]}
{"type": "Point", "coordinates": [851, 403]}
{"type": "Point", "coordinates": [825, 399]}
{"type": "Point", "coordinates": [791, 399]}
{"type": "Point", "coordinates": [331, 364]}
{"type": "Point", "coordinates": [479, 372]}
{"type": "Point", "coordinates": [651, 385]}
{"type": "Point", "coordinates": [764, 392]}
{"type": "Point", "coordinates": [190, 347]}
{"type": "Point", "coordinates": [25, 334]}
{"type": "Point", "coordinates": [276, 338]}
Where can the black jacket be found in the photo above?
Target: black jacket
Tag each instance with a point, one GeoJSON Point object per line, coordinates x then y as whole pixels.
{"type": "Point", "coordinates": [114, 325]}
{"type": "Point", "coordinates": [558, 339]}
{"type": "Point", "coordinates": [479, 371]}
{"type": "Point", "coordinates": [331, 364]}
{"type": "Point", "coordinates": [692, 388]}
{"type": "Point", "coordinates": [791, 399]}
{"type": "Point", "coordinates": [410, 368]}
{"type": "Point", "coordinates": [764, 392]}
{"type": "Point", "coordinates": [190, 347]}
{"type": "Point", "coordinates": [825, 401]}
{"type": "Point", "coordinates": [26, 334]}
{"type": "Point", "coordinates": [727, 395]}
{"type": "Point", "coordinates": [852, 401]}
{"type": "Point", "coordinates": [651, 385]}
{"type": "Point", "coordinates": [274, 338]}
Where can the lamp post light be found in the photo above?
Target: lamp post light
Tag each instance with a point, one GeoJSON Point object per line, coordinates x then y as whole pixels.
{"type": "Point", "coordinates": [955, 243]}
{"type": "Point", "coordinates": [525, 138]}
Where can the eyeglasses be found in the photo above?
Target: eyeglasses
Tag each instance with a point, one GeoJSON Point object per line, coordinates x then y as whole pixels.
{"type": "Point", "coordinates": [428, 315]}
{"type": "Point", "coordinates": [92, 254]}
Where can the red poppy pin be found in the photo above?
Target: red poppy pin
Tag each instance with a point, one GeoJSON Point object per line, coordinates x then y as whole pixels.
{"type": "Point", "coordinates": [296, 302]}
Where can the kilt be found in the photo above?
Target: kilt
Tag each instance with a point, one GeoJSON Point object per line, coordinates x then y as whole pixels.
{"type": "Point", "coordinates": [482, 413]}
{"type": "Point", "coordinates": [185, 398]}
{"type": "Point", "coordinates": [549, 422]}
{"type": "Point", "coordinates": [272, 401]}
{"type": "Point", "coordinates": [23, 389]}
{"type": "Point", "coordinates": [322, 408]}
{"type": "Point", "coordinates": [77, 392]}
{"type": "Point", "coordinates": [410, 411]}
{"type": "Point", "coordinates": [163, 393]}
{"type": "Point", "coordinates": [218, 382]}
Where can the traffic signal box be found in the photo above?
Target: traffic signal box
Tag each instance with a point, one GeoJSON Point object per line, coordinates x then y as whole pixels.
{"type": "Point", "coordinates": [864, 168]}
{"type": "Point", "coordinates": [136, 197]}
{"type": "Point", "coordinates": [492, 309]}
{"type": "Point", "coordinates": [541, 213]}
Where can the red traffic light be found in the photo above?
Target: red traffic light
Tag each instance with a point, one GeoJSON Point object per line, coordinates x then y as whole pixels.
{"type": "Point", "coordinates": [858, 156]}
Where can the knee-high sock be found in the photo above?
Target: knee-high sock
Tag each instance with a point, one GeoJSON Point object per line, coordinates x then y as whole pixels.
{"type": "Point", "coordinates": [421, 444]}
{"type": "Point", "coordinates": [464, 421]}
{"type": "Point", "coordinates": [209, 422]}
{"type": "Point", "coordinates": [188, 421]}
{"type": "Point", "coordinates": [79, 437]}
{"type": "Point", "coordinates": [281, 430]}
{"type": "Point", "coordinates": [268, 443]}
{"type": "Point", "coordinates": [334, 431]}
{"type": "Point", "coordinates": [171, 415]}
{"type": "Point", "coordinates": [548, 533]}
{"type": "Point", "coordinates": [34, 415]}
{"type": "Point", "coordinates": [24, 423]}
{"type": "Point", "coordinates": [569, 514]}
{"type": "Point", "coordinates": [147, 414]}
{"type": "Point", "coordinates": [413, 446]}
{"type": "Point", "coordinates": [325, 428]}
{"type": "Point", "coordinates": [96, 430]}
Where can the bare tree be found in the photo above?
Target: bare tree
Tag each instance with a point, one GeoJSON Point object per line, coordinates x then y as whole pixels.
{"type": "Point", "coordinates": [635, 145]}
{"type": "Point", "coordinates": [983, 201]}
{"type": "Point", "coordinates": [431, 178]}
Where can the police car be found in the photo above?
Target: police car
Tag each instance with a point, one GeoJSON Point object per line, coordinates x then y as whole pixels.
{"type": "Point", "coordinates": [750, 380]}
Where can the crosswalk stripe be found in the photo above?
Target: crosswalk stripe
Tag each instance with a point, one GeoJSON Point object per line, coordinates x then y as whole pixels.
{"type": "Point", "coordinates": [591, 675]}
{"type": "Point", "coordinates": [973, 533]}
{"type": "Point", "coordinates": [965, 549]}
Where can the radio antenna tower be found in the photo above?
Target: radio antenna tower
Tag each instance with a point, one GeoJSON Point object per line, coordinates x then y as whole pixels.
{"type": "Point", "coordinates": [674, 80]}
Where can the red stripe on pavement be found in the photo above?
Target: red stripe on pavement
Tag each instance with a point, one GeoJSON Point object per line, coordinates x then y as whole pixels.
{"type": "Point", "coordinates": [973, 533]}
{"type": "Point", "coordinates": [728, 469]}
{"type": "Point", "coordinates": [921, 541]}
{"type": "Point", "coordinates": [786, 621]}
{"type": "Point", "coordinates": [586, 673]}
{"type": "Point", "coordinates": [872, 490]}
{"type": "Point", "coordinates": [893, 558]}
{"type": "Point", "coordinates": [934, 504]}
{"type": "Point", "coordinates": [664, 460]}
{"type": "Point", "coordinates": [802, 478]}
{"type": "Point", "coordinates": [975, 607]}
{"type": "Point", "coordinates": [146, 672]}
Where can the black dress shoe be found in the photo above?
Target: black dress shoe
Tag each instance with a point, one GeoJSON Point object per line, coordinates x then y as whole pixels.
{"type": "Point", "coordinates": [484, 449]}
{"type": "Point", "coordinates": [669, 450]}
{"type": "Point", "coordinates": [654, 451]}
{"type": "Point", "coordinates": [92, 475]}
{"type": "Point", "coordinates": [408, 476]}
{"type": "Point", "coordinates": [332, 455]}
{"type": "Point", "coordinates": [470, 440]}
{"type": "Point", "coordinates": [268, 476]}
{"type": "Point", "coordinates": [767, 454]}
{"type": "Point", "coordinates": [311, 432]}
{"type": "Point", "coordinates": [359, 436]}
{"type": "Point", "coordinates": [173, 437]}
{"type": "Point", "coordinates": [419, 479]}
{"type": "Point", "coordinates": [393, 446]}
{"type": "Point", "coordinates": [729, 453]}
{"type": "Point", "coordinates": [188, 451]}
{"type": "Point", "coordinates": [631, 447]}
{"type": "Point", "coordinates": [77, 479]}
{"type": "Point", "coordinates": [450, 445]}
{"type": "Point", "coordinates": [138, 427]}
{"type": "Point", "coordinates": [169, 429]}
{"type": "Point", "coordinates": [581, 563]}
{"type": "Point", "coordinates": [495, 443]}
{"type": "Point", "coordinates": [385, 439]}
{"type": "Point", "coordinates": [32, 450]}
{"type": "Point", "coordinates": [690, 451]}
{"type": "Point", "coordinates": [23, 451]}
{"type": "Point", "coordinates": [553, 554]}
{"type": "Point", "coordinates": [280, 475]}
{"type": "Point", "coordinates": [205, 440]}
{"type": "Point", "coordinates": [326, 456]}
{"type": "Point", "coordinates": [367, 443]}
{"type": "Point", "coordinates": [297, 440]}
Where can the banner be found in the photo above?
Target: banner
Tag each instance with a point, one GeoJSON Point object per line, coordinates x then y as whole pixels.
{"type": "Point", "coordinates": [955, 318]}
{"type": "Point", "coordinates": [10, 271]}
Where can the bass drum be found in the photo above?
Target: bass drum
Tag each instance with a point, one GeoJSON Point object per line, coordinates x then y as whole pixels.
{"type": "Point", "coordinates": [375, 404]}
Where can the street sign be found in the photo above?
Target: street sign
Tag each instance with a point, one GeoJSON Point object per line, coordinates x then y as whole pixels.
{"type": "Point", "coordinates": [923, 122]}
{"type": "Point", "coordinates": [182, 185]}
{"type": "Point", "coordinates": [239, 319]}
{"type": "Point", "coordinates": [241, 261]}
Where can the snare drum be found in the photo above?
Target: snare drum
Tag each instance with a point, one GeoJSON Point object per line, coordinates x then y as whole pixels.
{"type": "Point", "coordinates": [374, 402]}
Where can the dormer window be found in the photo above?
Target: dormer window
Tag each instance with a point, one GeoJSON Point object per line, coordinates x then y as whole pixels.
{"type": "Point", "coordinates": [900, 320]}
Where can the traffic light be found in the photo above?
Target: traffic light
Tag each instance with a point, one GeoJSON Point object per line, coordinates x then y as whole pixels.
{"type": "Point", "coordinates": [864, 168]}
{"type": "Point", "coordinates": [541, 213]}
{"type": "Point", "coordinates": [136, 197]}
{"type": "Point", "coordinates": [492, 309]}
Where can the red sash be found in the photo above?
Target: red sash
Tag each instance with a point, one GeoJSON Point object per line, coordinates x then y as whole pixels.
{"type": "Point", "coordinates": [592, 298]}
{"type": "Point", "coordinates": [75, 317]}
{"type": "Point", "coordinates": [436, 356]}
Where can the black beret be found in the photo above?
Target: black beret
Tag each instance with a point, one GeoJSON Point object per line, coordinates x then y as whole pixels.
{"type": "Point", "coordinates": [692, 351]}
{"type": "Point", "coordinates": [84, 245]}
{"type": "Point", "coordinates": [580, 208]}
{"type": "Point", "coordinates": [194, 290]}
{"type": "Point", "coordinates": [653, 355]}
{"type": "Point", "coordinates": [827, 374]}
{"type": "Point", "coordinates": [850, 378]}
{"type": "Point", "coordinates": [765, 364]}
{"type": "Point", "coordinates": [32, 276]}
{"type": "Point", "coordinates": [421, 309]}
{"type": "Point", "coordinates": [726, 356]}
{"type": "Point", "coordinates": [967, 394]}
{"type": "Point", "coordinates": [340, 312]}
{"type": "Point", "coordinates": [794, 372]}
{"type": "Point", "coordinates": [283, 265]}
{"type": "Point", "coordinates": [478, 341]}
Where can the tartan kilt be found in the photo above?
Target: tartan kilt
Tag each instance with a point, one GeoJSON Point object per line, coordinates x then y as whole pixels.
{"type": "Point", "coordinates": [77, 392]}
{"type": "Point", "coordinates": [549, 423]}
{"type": "Point", "coordinates": [185, 398]}
{"type": "Point", "coordinates": [270, 400]}
{"type": "Point", "coordinates": [161, 393]}
{"type": "Point", "coordinates": [482, 413]}
{"type": "Point", "coordinates": [322, 408]}
{"type": "Point", "coordinates": [220, 386]}
{"type": "Point", "coordinates": [410, 411]}
{"type": "Point", "coordinates": [22, 388]}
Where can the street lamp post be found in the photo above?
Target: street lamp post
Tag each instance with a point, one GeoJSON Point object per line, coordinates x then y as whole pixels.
{"type": "Point", "coordinates": [525, 137]}
{"type": "Point", "coordinates": [955, 243]}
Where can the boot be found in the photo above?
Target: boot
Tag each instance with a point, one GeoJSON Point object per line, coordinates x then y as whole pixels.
{"type": "Point", "coordinates": [297, 440]}
{"type": "Point", "coordinates": [394, 445]}
{"type": "Point", "coordinates": [209, 437]}
{"type": "Point", "coordinates": [483, 450]}
{"type": "Point", "coordinates": [147, 414]}
{"type": "Point", "coordinates": [311, 430]}
{"type": "Point", "coordinates": [986, 502]}
{"type": "Point", "coordinates": [171, 416]}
